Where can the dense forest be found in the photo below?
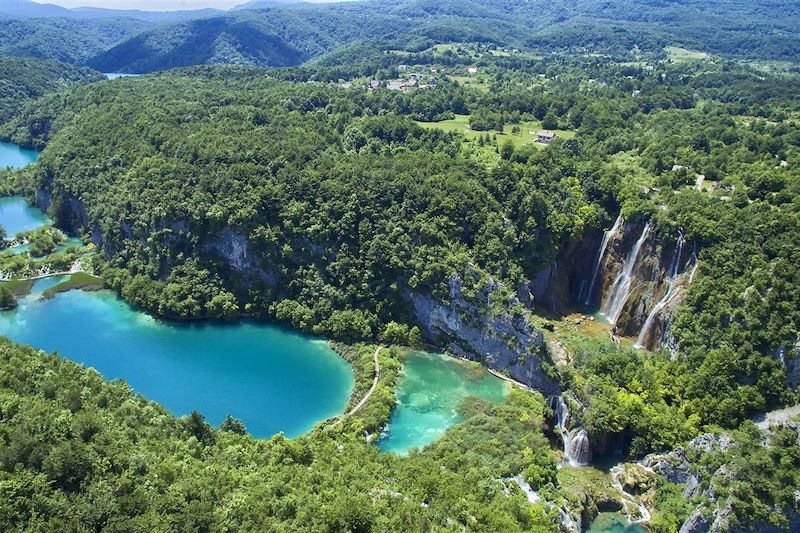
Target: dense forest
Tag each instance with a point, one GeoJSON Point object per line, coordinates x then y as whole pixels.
{"type": "Point", "coordinates": [328, 208]}
{"type": "Point", "coordinates": [22, 80]}
{"type": "Point", "coordinates": [313, 195]}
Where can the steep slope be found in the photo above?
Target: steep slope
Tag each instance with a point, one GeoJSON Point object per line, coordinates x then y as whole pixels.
{"type": "Point", "coordinates": [67, 40]}
{"type": "Point", "coordinates": [222, 40]}
{"type": "Point", "coordinates": [24, 79]}
{"type": "Point", "coordinates": [270, 37]}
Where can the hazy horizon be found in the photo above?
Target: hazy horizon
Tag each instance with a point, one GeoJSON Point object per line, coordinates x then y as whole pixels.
{"type": "Point", "coordinates": [156, 5]}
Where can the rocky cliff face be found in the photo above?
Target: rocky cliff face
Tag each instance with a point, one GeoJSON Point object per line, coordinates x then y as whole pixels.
{"type": "Point", "coordinates": [716, 515]}
{"type": "Point", "coordinates": [662, 267]}
{"type": "Point", "coordinates": [563, 283]}
{"type": "Point", "coordinates": [503, 340]}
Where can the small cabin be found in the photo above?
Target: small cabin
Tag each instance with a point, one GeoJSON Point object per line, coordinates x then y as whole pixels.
{"type": "Point", "coordinates": [545, 137]}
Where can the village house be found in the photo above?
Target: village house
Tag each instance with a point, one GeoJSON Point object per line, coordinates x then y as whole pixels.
{"type": "Point", "coordinates": [545, 137]}
{"type": "Point", "coordinates": [472, 70]}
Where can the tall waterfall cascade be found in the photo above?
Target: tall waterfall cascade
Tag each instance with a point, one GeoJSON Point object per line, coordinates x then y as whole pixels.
{"type": "Point", "coordinates": [601, 254]}
{"type": "Point", "coordinates": [674, 287]}
{"type": "Point", "coordinates": [620, 290]}
{"type": "Point", "coordinates": [577, 449]}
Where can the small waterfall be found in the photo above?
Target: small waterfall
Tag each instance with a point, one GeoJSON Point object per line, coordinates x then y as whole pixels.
{"type": "Point", "coordinates": [600, 255]}
{"type": "Point", "coordinates": [621, 288]}
{"type": "Point", "coordinates": [673, 289]}
{"type": "Point", "coordinates": [534, 497]}
{"type": "Point", "coordinates": [694, 265]}
{"type": "Point", "coordinates": [582, 290]}
{"type": "Point", "coordinates": [628, 499]}
{"type": "Point", "coordinates": [676, 256]}
{"type": "Point", "coordinates": [578, 450]}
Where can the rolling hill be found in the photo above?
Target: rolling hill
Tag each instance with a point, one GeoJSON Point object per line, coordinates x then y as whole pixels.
{"type": "Point", "coordinates": [292, 34]}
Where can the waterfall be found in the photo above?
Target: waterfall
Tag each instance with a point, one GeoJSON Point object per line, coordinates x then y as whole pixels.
{"type": "Point", "coordinates": [673, 288]}
{"type": "Point", "coordinates": [676, 256]}
{"type": "Point", "coordinates": [600, 255]}
{"type": "Point", "coordinates": [627, 498]}
{"type": "Point", "coordinates": [581, 291]}
{"type": "Point", "coordinates": [621, 288]}
{"type": "Point", "coordinates": [578, 451]}
{"type": "Point", "coordinates": [534, 497]}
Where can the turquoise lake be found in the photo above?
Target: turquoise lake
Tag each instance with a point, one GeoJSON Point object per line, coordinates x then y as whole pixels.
{"type": "Point", "coordinates": [13, 156]}
{"type": "Point", "coordinates": [272, 379]}
{"type": "Point", "coordinates": [16, 216]}
{"type": "Point", "coordinates": [429, 393]}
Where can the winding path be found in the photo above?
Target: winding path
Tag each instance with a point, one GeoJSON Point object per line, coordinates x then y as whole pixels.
{"type": "Point", "coordinates": [360, 404]}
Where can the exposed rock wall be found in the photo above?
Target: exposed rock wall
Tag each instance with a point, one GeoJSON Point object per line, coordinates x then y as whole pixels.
{"type": "Point", "coordinates": [503, 340]}
{"type": "Point", "coordinates": [715, 516]}
{"type": "Point", "coordinates": [564, 282]}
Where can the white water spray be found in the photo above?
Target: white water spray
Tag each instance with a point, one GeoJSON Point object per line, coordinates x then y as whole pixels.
{"type": "Point", "coordinates": [629, 500]}
{"type": "Point", "coordinates": [673, 289]}
{"type": "Point", "coordinates": [621, 288]}
{"type": "Point", "coordinates": [534, 497]}
{"type": "Point", "coordinates": [577, 450]}
{"type": "Point", "coordinates": [601, 255]}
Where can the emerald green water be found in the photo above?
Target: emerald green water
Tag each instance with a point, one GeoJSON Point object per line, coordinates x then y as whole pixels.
{"type": "Point", "coordinates": [272, 379]}
{"type": "Point", "coordinates": [613, 523]}
{"type": "Point", "coordinates": [428, 395]}
{"type": "Point", "coordinates": [13, 156]}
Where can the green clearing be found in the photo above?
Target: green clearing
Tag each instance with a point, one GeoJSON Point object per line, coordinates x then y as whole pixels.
{"type": "Point", "coordinates": [472, 81]}
{"type": "Point", "coordinates": [522, 138]}
{"type": "Point", "coordinates": [678, 54]}
{"type": "Point", "coordinates": [78, 280]}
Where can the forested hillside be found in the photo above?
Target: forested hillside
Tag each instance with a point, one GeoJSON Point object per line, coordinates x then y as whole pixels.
{"type": "Point", "coordinates": [67, 40]}
{"type": "Point", "coordinates": [599, 202]}
{"type": "Point", "coordinates": [281, 35]}
{"type": "Point", "coordinates": [23, 80]}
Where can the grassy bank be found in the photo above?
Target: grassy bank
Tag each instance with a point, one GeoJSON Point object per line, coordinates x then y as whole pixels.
{"type": "Point", "coordinates": [79, 280]}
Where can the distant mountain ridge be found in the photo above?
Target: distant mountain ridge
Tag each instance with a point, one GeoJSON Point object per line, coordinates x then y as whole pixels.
{"type": "Point", "coordinates": [23, 9]}
{"type": "Point", "coordinates": [288, 33]}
